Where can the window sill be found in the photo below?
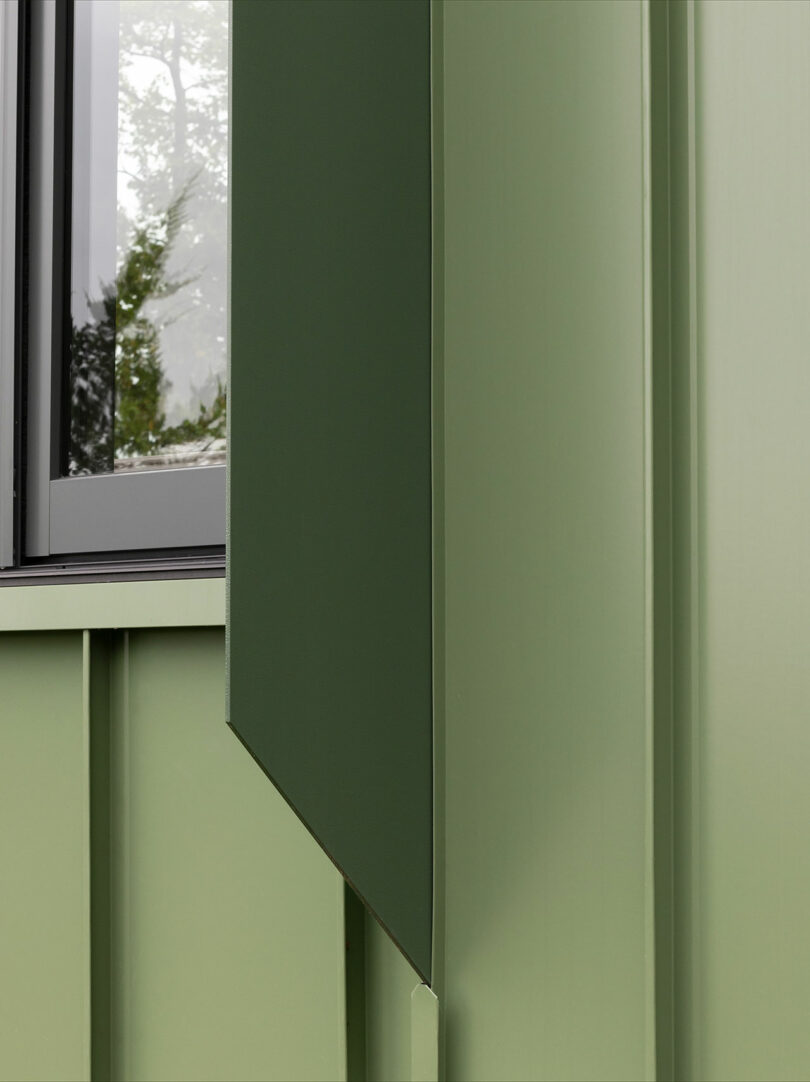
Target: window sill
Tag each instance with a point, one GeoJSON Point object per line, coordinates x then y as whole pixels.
{"type": "Point", "coordinates": [95, 605]}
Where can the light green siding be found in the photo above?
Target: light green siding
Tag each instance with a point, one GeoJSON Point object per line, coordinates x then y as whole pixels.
{"type": "Point", "coordinates": [744, 739]}
{"type": "Point", "coordinates": [227, 918]}
{"type": "Point", "coordinates": [44, 867]}
{"type": "Point", "coordinates": [217, 923]}
{"type": "Point", "coordinates": [547, 911]}
{"type": "Point", "coordinates": [100, 605]}
{"type": "Point", "coordinates": [390, 980]}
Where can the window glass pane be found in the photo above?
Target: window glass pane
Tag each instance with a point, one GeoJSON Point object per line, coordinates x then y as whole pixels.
{"type": "Point", "coordinates": [148, 235]}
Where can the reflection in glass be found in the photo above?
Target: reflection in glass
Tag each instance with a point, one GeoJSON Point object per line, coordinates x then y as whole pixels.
{"type": "Point", "coordinates": [148, 234]}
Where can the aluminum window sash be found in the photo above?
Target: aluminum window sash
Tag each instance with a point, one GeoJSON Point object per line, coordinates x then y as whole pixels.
{"type": "Point", "coordinates": [8, 258]}
{"type": "Point", "coordinates": [41, 279]}
{"type": "Point", "coordinates": [149, 509]}
{"type": "Point", "coordinates": [155, 509]}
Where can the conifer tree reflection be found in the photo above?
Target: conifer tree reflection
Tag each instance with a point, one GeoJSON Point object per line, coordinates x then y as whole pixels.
{"type": "Point", "coordinates": [148, 355]}
{"type": "Point", "coordinates": [118, 383]}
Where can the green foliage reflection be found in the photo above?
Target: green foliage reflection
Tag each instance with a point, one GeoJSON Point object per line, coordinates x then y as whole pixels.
{"type": "Point", "coordinates": [148, 358]}
{"type": "Point", "coordinates": [118, 383]}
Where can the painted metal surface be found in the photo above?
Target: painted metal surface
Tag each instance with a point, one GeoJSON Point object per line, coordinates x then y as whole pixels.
{"type": "Point", "coordinates": [144, 509]}
{"type": "Point", "coordinates": [44, 886]}
{"type": "Point", "coordinates": [390, 980]}
{"type": "Point", "coordinates": [226, 919]}
{"type": "Point", "coordinates": [548, 933]}
{"type": "Point", "coordinates": [99, 605]}
{"type": "Point", "coordinates": [223, 922]}
{"type": "Point", "coordinates": [205, 919]}
{"type": "Point", "coordinates": [40, 300]}
{"type": "Point", "coordinates": [424, 1035]}
{"type": "Point", "coordinates": [330, 534]}
{"type": "Point", "coordinates": [743, 741]}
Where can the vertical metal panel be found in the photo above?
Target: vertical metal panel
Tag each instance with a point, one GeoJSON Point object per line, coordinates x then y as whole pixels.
{"type": "Point", "coordinates": [548, 928]}
{"type": "Point", "coordinates": [330, 535]}
{"type": "Point", "coordinates": [390, 981]}
{"type": "Point", "coordinates": [44, 841]}
{"type": "Point", "coordinates": [745, 739]}
{"type": "Point", "coordinates": [424, 1035]}
{"type": "Point", "coordinates": [227, 946]}
{"type": "Point", "coordinates": [147, 862]}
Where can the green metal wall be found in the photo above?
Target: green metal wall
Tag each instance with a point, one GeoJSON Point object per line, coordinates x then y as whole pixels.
{"type": "Point", "coordinates": [622, 603]}
{"type": "Point", "coordinates": [389, 984]}
{"type": "Point", "coordinates": [44, 856]}
{"type": "Point", "coordinates": [742, 173]}
{"type": "Point", "coordinates": [622, 404]}
{"type": "Point", "coordinates": [548, 924]}
{"type": "Point", "coordinates": [197, 931]}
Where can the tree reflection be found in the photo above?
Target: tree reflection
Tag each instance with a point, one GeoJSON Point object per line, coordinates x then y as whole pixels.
{"type": "Point", "coordinates": [148, 366]}
{"type": "Point", "coordinates": [118, 382]}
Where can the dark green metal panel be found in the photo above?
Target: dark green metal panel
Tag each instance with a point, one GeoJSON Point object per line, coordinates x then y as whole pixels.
{"type": "Point", "coordinates": [330, 533]}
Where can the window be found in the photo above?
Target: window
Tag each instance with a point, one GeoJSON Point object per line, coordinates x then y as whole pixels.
{"type": "Point", "coordinates": [121, 275]}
